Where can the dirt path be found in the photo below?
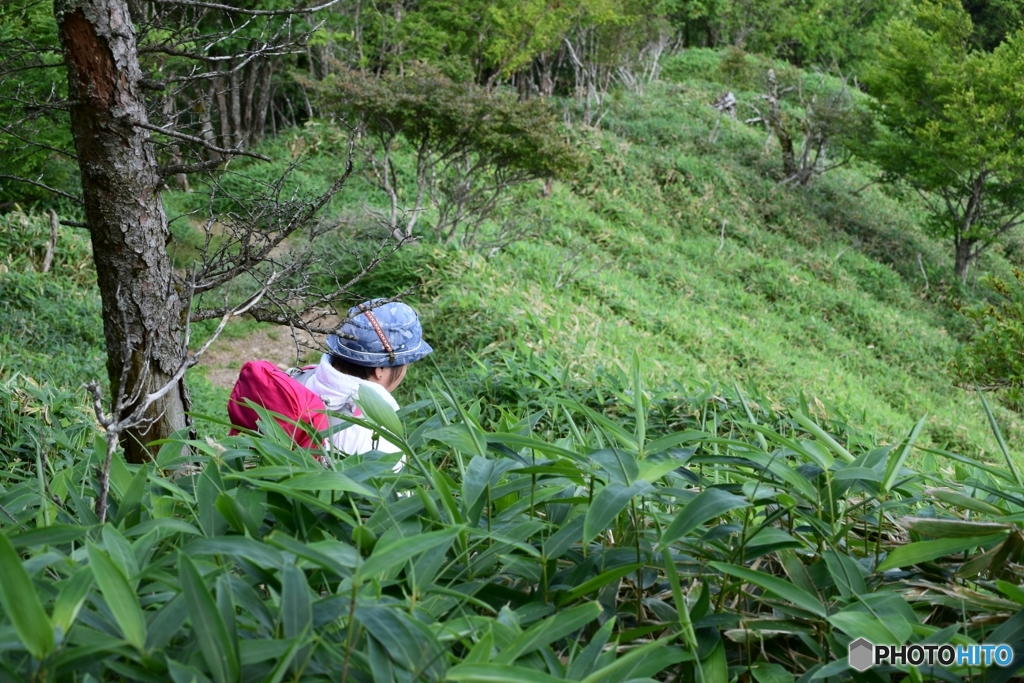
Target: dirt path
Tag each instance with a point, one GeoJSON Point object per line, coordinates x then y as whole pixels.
{"type": "Point", "coordinates": [224, 359]}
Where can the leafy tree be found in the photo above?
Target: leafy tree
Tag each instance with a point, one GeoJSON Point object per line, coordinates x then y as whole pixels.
{"type": "Point", "coordinates": [952, 125]}
{"type": "Point", "coordinates": [471, 144]}
{"type": "Point", "coordinates": [992, 357]}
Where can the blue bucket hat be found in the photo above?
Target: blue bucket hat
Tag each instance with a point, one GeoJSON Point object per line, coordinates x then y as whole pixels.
{"type": "Point", "coordinates": [380, 336]}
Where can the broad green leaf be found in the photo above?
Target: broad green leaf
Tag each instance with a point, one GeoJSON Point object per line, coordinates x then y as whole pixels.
{"type": "Point", "coordinates": [654, 467]}
{"type": "Point", "coordinates": [852, 473]}
{"type": "Point", "coordinates": [378, 410]}
{"type": "Point", "coordinates": [672, 440]}
{"type": "Point", "coordinates": [846, 573]}
{"type": "Point", "coordinates": [70, 599]}
{"type": "Point", "coordinates": [478, 477]}
{"type": "Point", "coordinates": [56, 534]}
{"type": "Point", "coordinates": [952, 528]}
{"type": "Point", "coordinates": [858, 624]}
{"type": "Point", "coordinates": [926, 551]}
{"type": "Point", "coordinates": [780, 587]}
{"type": "Point", "coordinates": [21, 603]}
{"type": "Point", "coordinates": [393, 555]}
{"type": "Point", "coordinates": [640, 662]}
{"type": "Point", "coordinates": [621, 467]}
{"type": "Point", "coordinates": [587, 658]}
{"type": "Point", "coordinates": [219, 651]}
{"type": "Point", "coordinates": [119, 596]}
{"type": "Point", "coordinates": [497, 673]}
{"type": "Point", "coordinates": [296, 606]}
{"type": "Point", "coordinates": [407, 642]}
{"type": "Point", "coordinates": [707, 505]}
{"type": "Point", "coordinates": [608, 503]}
{"type": "Point", "coordinates": [964, 501]}
{"type": "Point", "coordinates": [328, 481]}
{"type": "Point", "coordinates": [765, 672]}
{"type": "Point", "coordinates": [602, 579]}
{"type": "Point", "coordinates": [714, 667]}
{"type": "Point", "coordinates": [612, 427]}
{"type": "Point", "coordinates": [549, 630]}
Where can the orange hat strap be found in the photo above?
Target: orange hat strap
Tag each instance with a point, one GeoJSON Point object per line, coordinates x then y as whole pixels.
{"type": "Point", "coordinates": [380, 332]}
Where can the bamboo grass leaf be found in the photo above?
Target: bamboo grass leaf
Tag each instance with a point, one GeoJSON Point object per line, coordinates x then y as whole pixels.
{"type": "Point", "coordinates": [219, 651]}
{"type": "Point", "coordinates": [21, 603]}
{"type": "Point", "coordinates": [779, 587]}
{"type": "Point", "coordinates": [119, 596]}
{"type": "Point", "coordinates": [708, 504]}
{"type": "Point", "coordinates": [926, 551]}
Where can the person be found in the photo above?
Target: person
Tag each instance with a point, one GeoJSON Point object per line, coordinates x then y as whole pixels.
{"type": "Point", "coordinates": [373, 350]}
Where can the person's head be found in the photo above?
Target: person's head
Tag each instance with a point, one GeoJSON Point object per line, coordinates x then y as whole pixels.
{"type": "Point", "coordinates": [378, 343]}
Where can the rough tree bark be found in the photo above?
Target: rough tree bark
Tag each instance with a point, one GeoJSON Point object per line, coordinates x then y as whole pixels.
{"type": "Point", "coordinates": [143, 312]}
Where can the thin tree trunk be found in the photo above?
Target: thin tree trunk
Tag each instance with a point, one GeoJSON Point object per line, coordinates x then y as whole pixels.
{"type": "Point", "coordinates": [263, 104]}
{"type": "Point", "coordinates": [963, 258]}
{"type": "Point", "coordinates": [142, 310]}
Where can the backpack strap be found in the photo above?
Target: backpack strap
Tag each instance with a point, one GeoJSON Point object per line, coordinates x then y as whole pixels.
{"type": "Point", "coordinates": [335, 423]}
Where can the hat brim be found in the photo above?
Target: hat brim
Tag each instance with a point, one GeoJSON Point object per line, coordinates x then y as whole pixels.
{"type": "Point", "coordinates": [378, 360]}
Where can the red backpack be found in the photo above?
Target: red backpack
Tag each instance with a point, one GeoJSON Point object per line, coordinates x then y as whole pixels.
{"type": "Point", "coordinates": [265, 384]}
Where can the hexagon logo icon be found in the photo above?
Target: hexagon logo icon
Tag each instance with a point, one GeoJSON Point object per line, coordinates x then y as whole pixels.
{"type": "Point", "coordinates": [862, 654]}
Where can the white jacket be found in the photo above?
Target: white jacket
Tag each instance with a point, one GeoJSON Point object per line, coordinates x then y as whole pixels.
{"type": "Point", "coordinates": [337, 389]}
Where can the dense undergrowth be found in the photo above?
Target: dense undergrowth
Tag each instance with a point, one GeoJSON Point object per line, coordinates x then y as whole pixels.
{"type": "Point", "coordinates": [623, 476]}
{"type": "Point", "coordinates": [742, 543]}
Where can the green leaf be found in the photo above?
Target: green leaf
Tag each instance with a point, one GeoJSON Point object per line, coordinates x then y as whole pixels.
{"type": "Point", "coordinates": [219, 651]}
{"type": "Point", "coordinates": [892, 471]}
{"type": "Point", "coordinates": [643, 661]}
{"type": "Point", "coordinates": [781, 588]}
{"type": "Point", "coordinates": [21, 603]}
{"type": "Point", "coordinates": [859, 624]}
{"type": "Point", "coordinates": [56, 534]}
{"type": "Point", "coordinates": [495, 673]}
{"type": "Point", "coordinates": [328, 481]}
{"type": "Point", "coordinates": [70, 599]}
{"type": "Point", "coordinates": [926, 551]}
{"type": "Point", "coordinates": [602, 579]}
{"type": "Point", "coordinates": [549, 630]}
{"type": "Point", "coordinates": [962, 500]}
{"type": "Point", "coordinates": [639, 414]}
{"type": "Point", "coordinates": [952, 528]}
{"type": "Point", "coordinates": [119, 596]}
{"type": "Point", "coordinates": [478, 477]}
{"type": "Point", "coordinates": [608, 503]}
{"type": "Point", "coordinates": [707, 505]}
{"type": "Point", "coordinates": [765, 672]}
{"type": "Point", "coordinates": [846, 573]}
{"type": "Point", "coordinates": [396, 554]}
{"type": "Point", "coordinates": [378, 410]}
{"type": "Point", "coordinates": [821, 435]}
{"type": "Point", "coordinates": [296, 605]}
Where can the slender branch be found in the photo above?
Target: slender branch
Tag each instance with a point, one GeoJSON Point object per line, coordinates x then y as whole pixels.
{"type": "Point", "coordinates": [200, 141]}
{"type": "Point", "coordinates": [54, 190]}
{"type": "Point", "coordinates": [248, 12]}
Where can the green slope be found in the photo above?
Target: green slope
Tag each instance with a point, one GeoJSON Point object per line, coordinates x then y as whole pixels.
{"type": "Point", "coordinates": [817, 290]}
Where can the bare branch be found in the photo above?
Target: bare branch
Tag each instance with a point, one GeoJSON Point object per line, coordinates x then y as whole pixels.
{"type": "Point", "coordinates": [200, 141]}
{"type": "Point", "coordinates": [62, 193]}
{"type": "Point", "coordinates": [248, 12]}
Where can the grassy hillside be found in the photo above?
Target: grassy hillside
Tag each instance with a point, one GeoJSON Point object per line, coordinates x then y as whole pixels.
{"type": "Point", "coordinates": [816, 290]}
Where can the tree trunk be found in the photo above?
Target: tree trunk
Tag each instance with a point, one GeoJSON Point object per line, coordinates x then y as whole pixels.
{"type": "Point", "coordinates": [964, 256]}
{"type": "Point", "coordinates": [142, 310]}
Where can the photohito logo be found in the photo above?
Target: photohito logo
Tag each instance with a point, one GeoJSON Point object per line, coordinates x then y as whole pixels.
{"type": "Point", "coordinates": [865, 654]}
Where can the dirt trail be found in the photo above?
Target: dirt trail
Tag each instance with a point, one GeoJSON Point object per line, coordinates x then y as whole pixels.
{"type": "Point", "coordinates": [224, 359]}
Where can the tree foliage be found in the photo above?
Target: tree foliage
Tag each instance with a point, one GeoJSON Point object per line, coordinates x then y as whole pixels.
{"type": "Point", "coordinates": [953, 125]}
{"type": "Point", "coordinates": [471, 145]}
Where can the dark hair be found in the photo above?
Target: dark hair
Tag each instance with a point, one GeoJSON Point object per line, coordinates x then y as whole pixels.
{"type": "Point", "coordinates": [347, 367]}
